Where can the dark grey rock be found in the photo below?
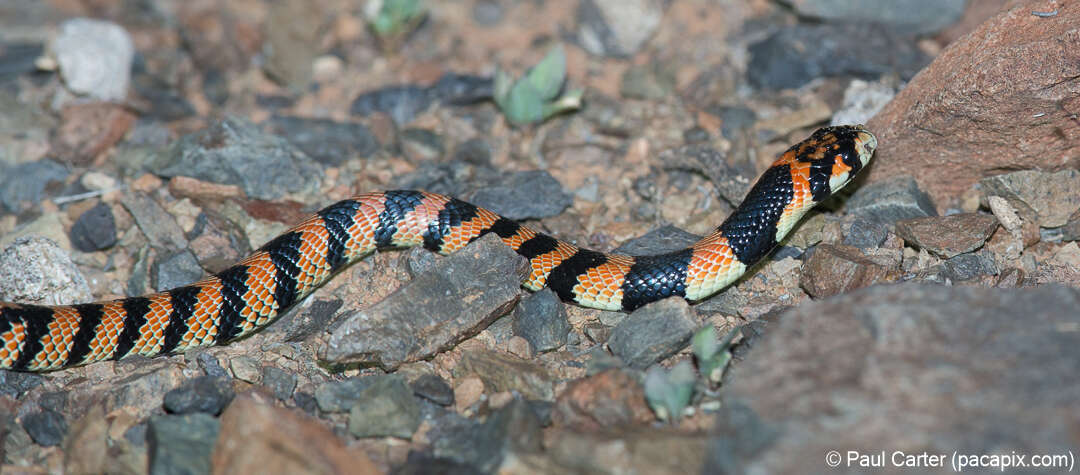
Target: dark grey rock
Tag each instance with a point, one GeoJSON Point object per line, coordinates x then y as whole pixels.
{"type": "Point", "coordinates": [181, 444]}
{"type": "Point", "coordinates": [23, 186]}
{"type": "Point", "coordinates": [17, 59]}
{"type": "Point", "coordinates": [159, 227]}
{"type": "Point", "coordinates": [339, 396]}
{"type": "Point", "coordinates": [796, 55]}
{"type": "Point", "coordinates": [914, 17]}
{"type": "Point", "coordinates": [210, 365]}
{"type": "Point", "coordinates": [730, 182]}
{"type": "Point", "coordinates": [16, 383]}
{"type": "Point", "coordinates": [53, 401]}
{"type": "Point", "coordinates": [165, 102]}
{"type": "Point", "coordinates": [385, 407]}
{"type": "Point", "coordinates": [327, 141]}
{"type": "Point", "coordinates": [281, 382]}
{"type": "Point", "coordinates": [967, 267]}
{"type": "Point", "coordinates": [525, 195]}
{"type": "Point", "coordinates": [176, 270]}
{"type": "Point", "coordinates": [541, 319]}
{"type": "Point", "coordinates": [1048, 199]}
{"type": "Point", "coordinates": [205, 394]}
{"type": "Point", "coordinates": [888, 201]}
{"type": "Point", "coordinates": [462, 89]}
{"type": "Point", "coordinates": [514, 428]}
{"type": "Point", "coordinates": [463, 294]}
{"type": "Point", "coordinates": [434, 389]}
{"type": "Point", "coordinates": [604, 28]}
{"type": "Point", "coordinates": [653, 332]}
{"type": "Point", "coordinates": [234, 151]}
{"type": "Point", "coordinates": [865, 233]}
{"type": "Point", "coordinates": [305, 401]}
{"type": "Point", "coordinates": [45, 427]}
{"type": "Point", "coordinates": [734, 119]}
{"type": "Point", "coordinates": [475, 151]}
{"type": "Point", "coordinates": [402, 103]}
{"type": "Point", "coordinates": [303, 323]}
{"type": "Point", "coordinates": [215, 86]}
{"type": "Point", "coordinates": [422, 144]}
{"type": "Point", "coordinates": [965, 367]}
{"type": "Point", "coordinates": [667, 238]}
{"type": "Point", "coordinates": [94, 230]}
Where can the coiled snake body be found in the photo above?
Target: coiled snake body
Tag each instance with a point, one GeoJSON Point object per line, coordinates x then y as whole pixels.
{"type": "Point", "coordinates": [250, 294]}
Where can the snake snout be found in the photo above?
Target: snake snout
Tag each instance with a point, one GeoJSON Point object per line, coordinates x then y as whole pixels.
{"type": "Point", "coordinates": [865, 145]}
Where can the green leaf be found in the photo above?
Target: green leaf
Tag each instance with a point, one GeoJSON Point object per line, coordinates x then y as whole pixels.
{"type": "Point", "coordinates": [704, 343]}
{"type": "Point", "coordinates": [569, 101]}
{"type": "Point", "coordinates": [503, 83]}
{"type": "Point", "coordinates": [524, 105]}
{"type": "Point", "coordinates": [548, 75]}
{"type": "Point", "coordinates": [669, 392]}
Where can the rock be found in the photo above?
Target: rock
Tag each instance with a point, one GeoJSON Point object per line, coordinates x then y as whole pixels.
{"type": "Point", "coordinates": [401, 103]}
{"type": "Point", "coordinates": [617, 28]}
{"type": "Point", "coordinates": [85, 448]}
{"type": "Point", "coordinates": [181, 444]}
{"type": "Point", "coordinates": [632, 451]}
{"type": "Point", "coordinates": [95, 58]}
{"type": "Point", "coordinates": [464, 293]}
{"type": "Point", "coordinates": [611, 399]}
{"type": "Point", "coordinates": [914, 17]}
{"type": "Point", "coordinates": [88, 130]}
{"type": "Point", "coordinates": [1048, 199]}
{"type": "Point", "coordinates": [340, 396]}
{"type": "Point", "coordinates": [46, 427]}
{"type": "Point", "coordinates": [159, 227]}
{"type": "Point", "coordinates": [203, 394]}
{"type": "Point", "coordinates": [487, 12]}
{"type": "Point", "coordinates": [258, 437]}
{"type": "Point", "coordinates": [292, 42]}
{"type": "Point", "coordinates": [94, 230]}
{"type": "Point", "coordinates": [469, 391]}
{"type": "Point", "coordinates": [520, 347]}
{"type": "Point", "coordinates": [948, 236]}
{"type": "Point", "coordinates": [421, 144]}
{"type": "Point", "coordinates": [23, 186]}
{"type": "Point", "coordinates": [234, 151]}
{"type": "Point", "coordinates": [434, 389]}
{"type": "Point", "coordinates": [530, 194]}
{"type": "Point", "coordinates": [696, 135]}
{"type": "Point", "coordinates": [1026, 70]}
{"type": "Point", "coordinates": [730, 182]}
{"type": "Point", "coordinates": [1071, 230]}
{"type": "Point", "coordinates": [869, 368]}
{"type": "Point", "coordinates": [327, 141]}
{"type": "Point", "coordinates": [647, 82]}
{"type": "Point", "coordinates": [462, 89]}
{"type": "Point", "coordinates": [502, 372]}
{"type": "Point", "coordinates": [305, 322]}
{"type": "Point", "coordinates": [35, 270]}
{"type": "Point", "coordinates": [175, 270]}
{"type": "Point", "coordinates": [15, 384]}
{"type": "Point", "coordinates": [166, 104]}
{"type": "Point", "coordinates": [967, 267]}
{"type": "Point", "coordinates": [17, 59]}
{"type": "Point", "coordinates": [245, 368]}
{"type": "Point", "coordinates": [661, 240]}
{"type": "Point", "coordinates": [888, 201]}
{"type": "Point", "coordinates": [834, 269]}
{"type": "Point", "coordinates": [653, 332]}
{"type": "Point", "coordinates": [796, 55]}
{"type": "Point", "coordinates": [866, 234]}
{"type": "Point", "coordinates": [540, 318]}
{"type": "Point", "coordinates": [512, 429]}
{"type": "Point", "coordinates": [475, 151]}
{"type": "Point", "coordinates": [385, 408]}
{"type": "Point", "coordinates": [210, 365]}
{"type": "Point", "coordinates": [862, 100]}
{"type": "Point", "coordinates": [282, 383]}
{"type": "Point", "coordinates": [210, 35]}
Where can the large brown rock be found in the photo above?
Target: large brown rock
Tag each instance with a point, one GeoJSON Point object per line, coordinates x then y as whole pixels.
{"type": "Point", "coordinates": [1004, 97]}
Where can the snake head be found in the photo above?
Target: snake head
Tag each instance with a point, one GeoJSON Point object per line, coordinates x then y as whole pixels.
{"type": "Point", "coordinates": [848, 148]}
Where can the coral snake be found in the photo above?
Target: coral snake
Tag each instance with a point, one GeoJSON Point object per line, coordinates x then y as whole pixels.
{"type": "Point", "coordinates": [250, 294]}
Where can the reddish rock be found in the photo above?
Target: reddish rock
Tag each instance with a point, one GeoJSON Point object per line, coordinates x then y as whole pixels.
{"type": "Point", "coordinates": [609, 399]}
{"type": "Point", "coordinates": [257, 437]}
{"type": "Point", "coordinates": [833, 269]}
{"type": "Point", "coordinates": [947, 236]}
{"type": "Point", "coordinates": [88, 130]}
{"type": "Point", "coordinates": [1004, 97]}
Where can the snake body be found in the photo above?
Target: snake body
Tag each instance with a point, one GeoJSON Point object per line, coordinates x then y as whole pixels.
{"type": "Point", "coordinates": [250, 294]}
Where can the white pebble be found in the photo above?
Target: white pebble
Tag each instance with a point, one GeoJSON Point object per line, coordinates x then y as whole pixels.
{"type": "Point", "coordinates": [94, 58]}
